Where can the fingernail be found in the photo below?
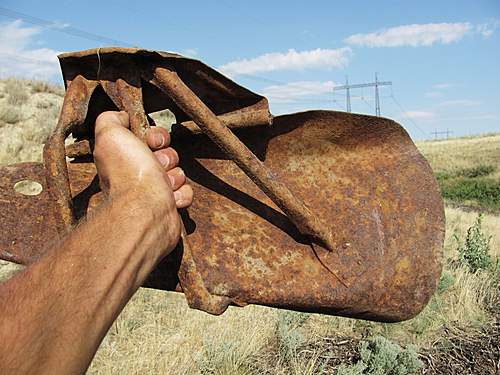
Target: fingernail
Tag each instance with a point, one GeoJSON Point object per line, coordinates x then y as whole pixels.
{"type": "Point", "coordinates": [181, 172]}
{"type": "Point", "coordinates": [164, 159]}
{"type": "Point", "coordinates": [178, 196]}
{"type": "Point", "coordinates": [172, 180]}
{"type": "Point", "coordinates": [159, 140]}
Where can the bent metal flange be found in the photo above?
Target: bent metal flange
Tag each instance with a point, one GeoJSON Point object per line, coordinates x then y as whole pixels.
{"type": "Point", "coordinates": [318, 211]}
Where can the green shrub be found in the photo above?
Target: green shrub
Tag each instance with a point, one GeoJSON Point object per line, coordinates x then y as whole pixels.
{"type": "Point", "coordinates": [380, 356]}
{"type": "Point", "coordinates": [471, 186]}
{"type": "Point", "coordinates": [474, 252]}
{"type": "Point", "coordinates": [288, 335]}
{"type": "Point", "coordinates": [442, 175]}
{"type": "Point", "coordinates": [223, 357]}
{"type": "Point", "coordinates": [483, 190]}
{"type": "Point", "coordinates": [445, 282]}
{"type": "Point", "coordinates": [477, 171]}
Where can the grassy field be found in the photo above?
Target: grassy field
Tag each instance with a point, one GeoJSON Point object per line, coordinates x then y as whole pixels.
{"type": "Point", "coordinates": [459, 329]}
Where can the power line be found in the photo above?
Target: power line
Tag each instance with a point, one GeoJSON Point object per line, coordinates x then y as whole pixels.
{"type": "Point", "coordinates": [340, 104]}
{"type": "Point", "coordinates": [291, 100]}
{"type": "Point", "coordinates": [364, 100]}
{"type": "Point", "coordinates": [245, 14]}
{"type": "Point", "coordinates": [438, 133]}
{"type": "Point", "coordinates": [167, 20]}
{"type": "Point", "coordinates": [299, 84]}
{"type": "Point", "coordinates": [69, 30]}
{"type": "Point", "coordinates": [25, 58]}
{"type": "Point", "coordinates": [408, 117]}
{"type": "Point", "coordinates": [289, 84]}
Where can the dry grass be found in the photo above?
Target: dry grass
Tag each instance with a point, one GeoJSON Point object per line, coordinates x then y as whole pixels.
{"type": "Point", "coordinates": [453, 155]}
{"type": "Point", "coordinates": [46, 87]}
{"type": "Point", "coordinates": [16, 92]}
{"type": "Point", "coordinates": [158, 333]}
{"type": "Point", "coordinates": [26, 119]}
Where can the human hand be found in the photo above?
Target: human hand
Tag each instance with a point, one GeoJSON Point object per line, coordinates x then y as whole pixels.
{"type": "Point", "coordinates": [128, 166]}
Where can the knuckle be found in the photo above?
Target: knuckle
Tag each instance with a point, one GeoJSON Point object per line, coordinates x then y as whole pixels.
{"type": "Point", "coordinates": [104, 118]}
{"type": "Point", "coordinates": [175, 228]}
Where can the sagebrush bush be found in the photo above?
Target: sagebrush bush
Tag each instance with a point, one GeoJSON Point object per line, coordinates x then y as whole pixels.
{"type": "Point", "coordinates": [474, 253]}
{"type": "Point", "coordinates": [223, 358]}
{"type": "Point", "coordinates": [43, 86]}
{"type": "Point", "coordinates": [16, 92]}
{"type": "Point", "coordinates": [380, 356]}
{"type": "Point", "coordinates": [446, 281]}
{"type": "Point", "coordinates": [477, 171]}
{"type": "Point", "coordinates": [288, 335]}
{"type": "Point", "coordinates": [10, 115]}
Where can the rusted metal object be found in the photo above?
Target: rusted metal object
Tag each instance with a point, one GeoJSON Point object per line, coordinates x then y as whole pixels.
{"type": "Point", "coordinates": [356, 184]}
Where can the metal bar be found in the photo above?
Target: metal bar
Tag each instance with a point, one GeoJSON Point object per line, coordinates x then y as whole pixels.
{"type": "Point", "coordinates": [307, 223]}
{"type": "Point", "coordinates": [73, 113]}
{"type": "Point", "coordinates": [360, 85]}
{"type": "Point", "coordinates": [237, 119]}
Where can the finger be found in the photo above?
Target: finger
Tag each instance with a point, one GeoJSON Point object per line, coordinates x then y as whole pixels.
{"type": "Point", "coordinates": [157, 137]}
{"type": "Point", "coordinates": [183, 196]}
{"type": "Point", "coordinates": [167, 157]}
{"type": "Point", "coordinates": [109, 119]}
{"type": "Point", "coordinates": [176, 177]}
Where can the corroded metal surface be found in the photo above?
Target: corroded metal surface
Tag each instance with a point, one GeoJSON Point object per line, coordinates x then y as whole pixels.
{"type": "Point", "coordinates": [361, 175]}
{"type": "Point", "coordinates": [299, 213]}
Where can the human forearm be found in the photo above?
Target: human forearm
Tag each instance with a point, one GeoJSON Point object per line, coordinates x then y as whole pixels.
{"type": "Point", "coordinates": [55, 313]}
{"type": "Point", "coordinates": [102, 263]}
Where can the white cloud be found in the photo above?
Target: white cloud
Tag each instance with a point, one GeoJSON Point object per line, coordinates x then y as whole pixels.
{"type": "Point", "coordinates": [292, 92]}
{"type": "Point", "coordinates": [413, 35]}
{"type": "Point", "coordinates": [19, 58]}
{"type": "Point", "coordinates": [460, 103]}
{"type": "Point", "coordinates": [487, 29]}
{"type": "Point", "coordinates": [421, 115]}
{"type": "Point", "coordinates": [291, 60]}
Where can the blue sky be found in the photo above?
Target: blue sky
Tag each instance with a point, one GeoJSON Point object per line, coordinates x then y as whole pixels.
{"type": "Point", "coordinates": [443, 57]}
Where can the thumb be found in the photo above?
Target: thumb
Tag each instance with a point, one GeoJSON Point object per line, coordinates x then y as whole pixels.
{"type": "Point", "coordinates": [111, 119]}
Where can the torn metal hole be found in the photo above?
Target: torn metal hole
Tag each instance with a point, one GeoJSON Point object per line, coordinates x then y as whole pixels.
{"type": "Point", "coordinates": [28, 187]}
{"type": "Point", "coordinates": [164, 118]}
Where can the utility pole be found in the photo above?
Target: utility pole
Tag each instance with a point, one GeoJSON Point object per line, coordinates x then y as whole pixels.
{"type": "Point", "coordinates": [375, 84]}
{"type": "Point", "coordinates": [377, 98]}
{"type": "Point", "coordinates": [447, 133]}
{"type": "Point", "coordinates": [347, 95]}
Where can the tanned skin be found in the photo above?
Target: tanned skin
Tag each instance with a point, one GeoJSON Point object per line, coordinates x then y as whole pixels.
{"type": "Point", "coordinates": [55, 313]}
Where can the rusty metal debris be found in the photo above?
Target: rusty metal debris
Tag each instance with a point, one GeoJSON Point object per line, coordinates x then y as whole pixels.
{"type": "Point", "coordinates": [318, 211]}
